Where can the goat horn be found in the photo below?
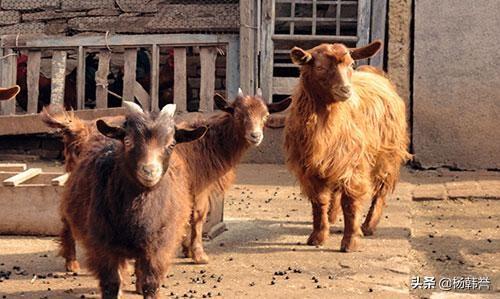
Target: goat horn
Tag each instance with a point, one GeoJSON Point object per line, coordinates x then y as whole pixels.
{"type": "Point", "coordinates": [132, 107]}
{"type": "Point", "coordinates": [259, 92]}
{"type": "Point", "coordinates": [168, 110]}
{"type": "Point", "coordinates": [240, 93]}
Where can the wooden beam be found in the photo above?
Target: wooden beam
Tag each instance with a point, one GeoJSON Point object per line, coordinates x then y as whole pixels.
{"type": "Point", "coordinates": [80, 79]}
{"type": "Point", "coordinates": [22, 177]}
{"type": "Point", "coordinates": [326, 38]}
{"type": "Point", "coordinates": [101, 79]}
{"type": "Point", "coordinates": [60, 180]}
{"type": "Point", "coordinates": [130, 57]}
{"type": "Point", "coordinates": [314, 16]}
{"type": "Point", "coordinates": [232, 69]}
{"type": "Point", "coordinates": [58, 77]}
{"type": "Point", "coordinates": [208, 56]}
{"type": "Point", "coordinates": [248, 30]}
{"type": "Point", "coordinates": [155, 77]}
{"type": "Point", "coordinates": [364, 13]}
{"type": "Point", "coordinates": [17, 167]}
{"type": "Point", "coordinates": [32, 124]}
{"type": "Point", "coordinates": [33, 78]}
{"type": "Point", "coordinates": [115, 40]}
{"type": "Point", "coordinates": [8, 76]}
{"type": "Point", "coordinates": [284, 85]}
{"type": "Point", "coordinates": [267, 50]}
{"type": "Point", "coordinates": [379, 14]}
{"type": "Point", "coordinates": [180, 79]}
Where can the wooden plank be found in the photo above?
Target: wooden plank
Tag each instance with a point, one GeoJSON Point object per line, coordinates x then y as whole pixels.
{"type": "Point", "coordinates": [22, 177]}
{"type": "Point", "coordinates": [207, 78]}
{"type": "Point", "coordinates": [180, 79]}
{"type": "Point", "coordinates": [247, 46]}
{"type": "Point", "coordinates": [17, 167]}
{"type": "Point", "coordinates": [379, 13]}
{"type": "Point", "coordinates": [33, 78]}
{"type": "Point", "coordinates": [80, 79]}
{"type": "Point", "coordinates": [364, 13]}
{"type": "Point", "coordinates": [155, 80]}
{"type": "Point", "coordinates": [32, 124]}
{"type": "Point", "coordinates": [142, 96]}
{"type": "Point", "coordinates": [338, 15]}
{"type": "Point", "coordinates": [114, 40]}
{"type": "Point", "coordinates": [292, 16]}
{"type": "Point", "coordinates": [318, 20]}
{"type": "Point", "coordinates": [58, 77]}
{"type": "Point", "coordinates": [60, 180]}
{"type": "Point", "coordinates": [284, 85]}
{"type": "Point", "coordinates": [314, 16]}
{"type": "Point", "coordinates": [326, 38]}
{"type": "Point", "coordinates": [130, 57]}
{"type": "Point", "coordinates": [232, 69]}
{"type": "Point", "coordinates": [267, 52]}
{"type": "Point", "coordinates": [8, 76]}
{"type": "Point", "coordinates": [101, 79]}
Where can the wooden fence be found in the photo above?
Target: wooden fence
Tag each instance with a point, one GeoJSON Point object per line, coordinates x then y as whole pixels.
{"type": "Point", "coordinates": [29, 123]}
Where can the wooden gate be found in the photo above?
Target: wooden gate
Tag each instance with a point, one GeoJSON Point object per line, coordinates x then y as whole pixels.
{"type": "Point", "coordinates": [307, 23]}
{"type": "Point", "coordinates": [29, 123]}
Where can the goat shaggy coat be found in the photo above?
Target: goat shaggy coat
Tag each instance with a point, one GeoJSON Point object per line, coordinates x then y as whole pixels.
{"type": "Point", "coordinates": [345, 152]}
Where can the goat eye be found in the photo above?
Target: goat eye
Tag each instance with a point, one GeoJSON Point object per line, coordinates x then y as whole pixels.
{"type": "Point", "coordinates": [127, 142]}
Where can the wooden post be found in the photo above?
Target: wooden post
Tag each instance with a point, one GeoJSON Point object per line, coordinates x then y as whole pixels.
{"type": "Point", "coordinates": [364, 8]}
{"type": "Point", "coordinates": [232, 68]}
{"type": "Point", "coordinates": [155, 72]}
{"type": "Point", "coordinates": [80, 79]}
{"type": "Point", "coordinates": [248, 30]}
{"type": "Point", "coordinates": [33, 78]}
{"type": "Point", "coordinates": [129, 74]}
{"type": "Point", "coordinates": [267, 55]}
{"type": "Point", "coordinates": [180, 79]}
{"type": "Point", "coordinates": [207, 78]}
{"type": "Point", "coordinates": [379, 12]}
{"type": "Point", "coordinates": [58, 77]}
{"type": "Point", "coordinates": [9, 73]}
{"type": "Point", "coordinates": [101, 79]}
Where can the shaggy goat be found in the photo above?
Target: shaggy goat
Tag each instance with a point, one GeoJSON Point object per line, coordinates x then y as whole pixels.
{"type": "Point", "coordinates": [126, 199]}
{"type": "Point", "coordinates": [345, 138]}
{"type": "Point", "coordinates": [212, 159]}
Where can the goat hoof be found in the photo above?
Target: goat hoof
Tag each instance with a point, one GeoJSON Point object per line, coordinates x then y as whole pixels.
{"type": "Point", "coordinates": [349, 244]}
{"type": "Point", "coordinates": [200, 257]}
{"type": "Point", "coordinates": [72, 266]}
{"type": "Point", "coordinates": [316, 239]}
{"type": "Point", "coordinates": [367, 231]}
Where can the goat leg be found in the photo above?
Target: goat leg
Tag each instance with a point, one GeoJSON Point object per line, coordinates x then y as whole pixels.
{"type": "Point", "coordinates": [149, 275]}
{"type": "Point", "coordinates": [107, 270]}
{"type": "Point", "coordinates": [321, 226]}
{"type": "Point", "coordinates": [352, 218]}
{"type": "Point", "coordinates": [199, 216]}
{"type": "Point", "coordinates": [67, 248]}
{"type": "Point", "coordinates": [373, 217]}
{"type": "Point", "coordinates": [335, 207]}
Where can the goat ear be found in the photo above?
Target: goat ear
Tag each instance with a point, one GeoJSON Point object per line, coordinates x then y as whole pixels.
{"type": "Point", "coordinates": [366, 51]}
{"type": "Point", "coordinates": [280, 106]}
{"type": "Point", "coordinates": [183, 135]}
{"type": "Point", "coordinates": [168, 110]}
{"type": "Point", "coordinates": [300, 56]}
{"type": "Point", "coordinates": [132, 107]}
{"type": "Point", "coordinates": [110, 131]}
{"type": "Point", "coordinates": [222, 104]}
{"type": "Point", "coordinates": [9, 93]}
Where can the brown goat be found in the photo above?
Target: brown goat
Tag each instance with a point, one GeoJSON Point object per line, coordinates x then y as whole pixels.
{"type": "Point", "coordinates": [212, 159]}
{"type": "Point", "coordinates": [345, 138]}
{"type": "Point", "coordinates": [126, 199]}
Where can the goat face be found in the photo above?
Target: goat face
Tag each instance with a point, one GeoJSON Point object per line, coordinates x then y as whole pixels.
{"type": "Point", "coordinates": [250, 113]}
{"type": "Point", "coordinates": [148, 141]}
{"type": "Point", "coordinates": [328, 68]}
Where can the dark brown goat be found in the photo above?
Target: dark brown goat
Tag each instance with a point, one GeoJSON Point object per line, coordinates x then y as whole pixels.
{"type": "Point", "coordinates": [126, 199]}
{"type": "Point", "coordinates": [212, 159]}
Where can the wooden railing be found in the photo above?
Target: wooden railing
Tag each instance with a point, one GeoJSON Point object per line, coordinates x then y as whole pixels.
{"type": "Point", "coordinates": [104, 44]}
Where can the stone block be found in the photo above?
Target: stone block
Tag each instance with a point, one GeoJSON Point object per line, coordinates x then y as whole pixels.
{"type": "Point", "coordinates": [74, 5]}
{"type": "Point", "coordinates": [9, 17]}
{"type": "Point", "coordinates": [456, 84]}
{"type": "Point", "coordinates": [29, 4]}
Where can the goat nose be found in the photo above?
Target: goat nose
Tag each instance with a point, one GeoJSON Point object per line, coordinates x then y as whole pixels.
{"type": "Point", "coordinates": [150, 170]}
{"type": "Point", "coordinates": [345, 88]}
{"type": "Point", "coordinates": [256, 135]}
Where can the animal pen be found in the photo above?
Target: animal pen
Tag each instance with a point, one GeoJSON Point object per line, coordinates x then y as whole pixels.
{"type": "Point", "coordinates": [256, 55]}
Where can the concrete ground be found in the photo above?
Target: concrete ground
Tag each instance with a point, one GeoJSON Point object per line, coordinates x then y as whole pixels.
{"type": "Point", "coordinates": [428, 229]}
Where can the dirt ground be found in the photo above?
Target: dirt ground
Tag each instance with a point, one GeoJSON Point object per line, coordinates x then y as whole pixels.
{"type": "Point", "coordinates": [263, 253]}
